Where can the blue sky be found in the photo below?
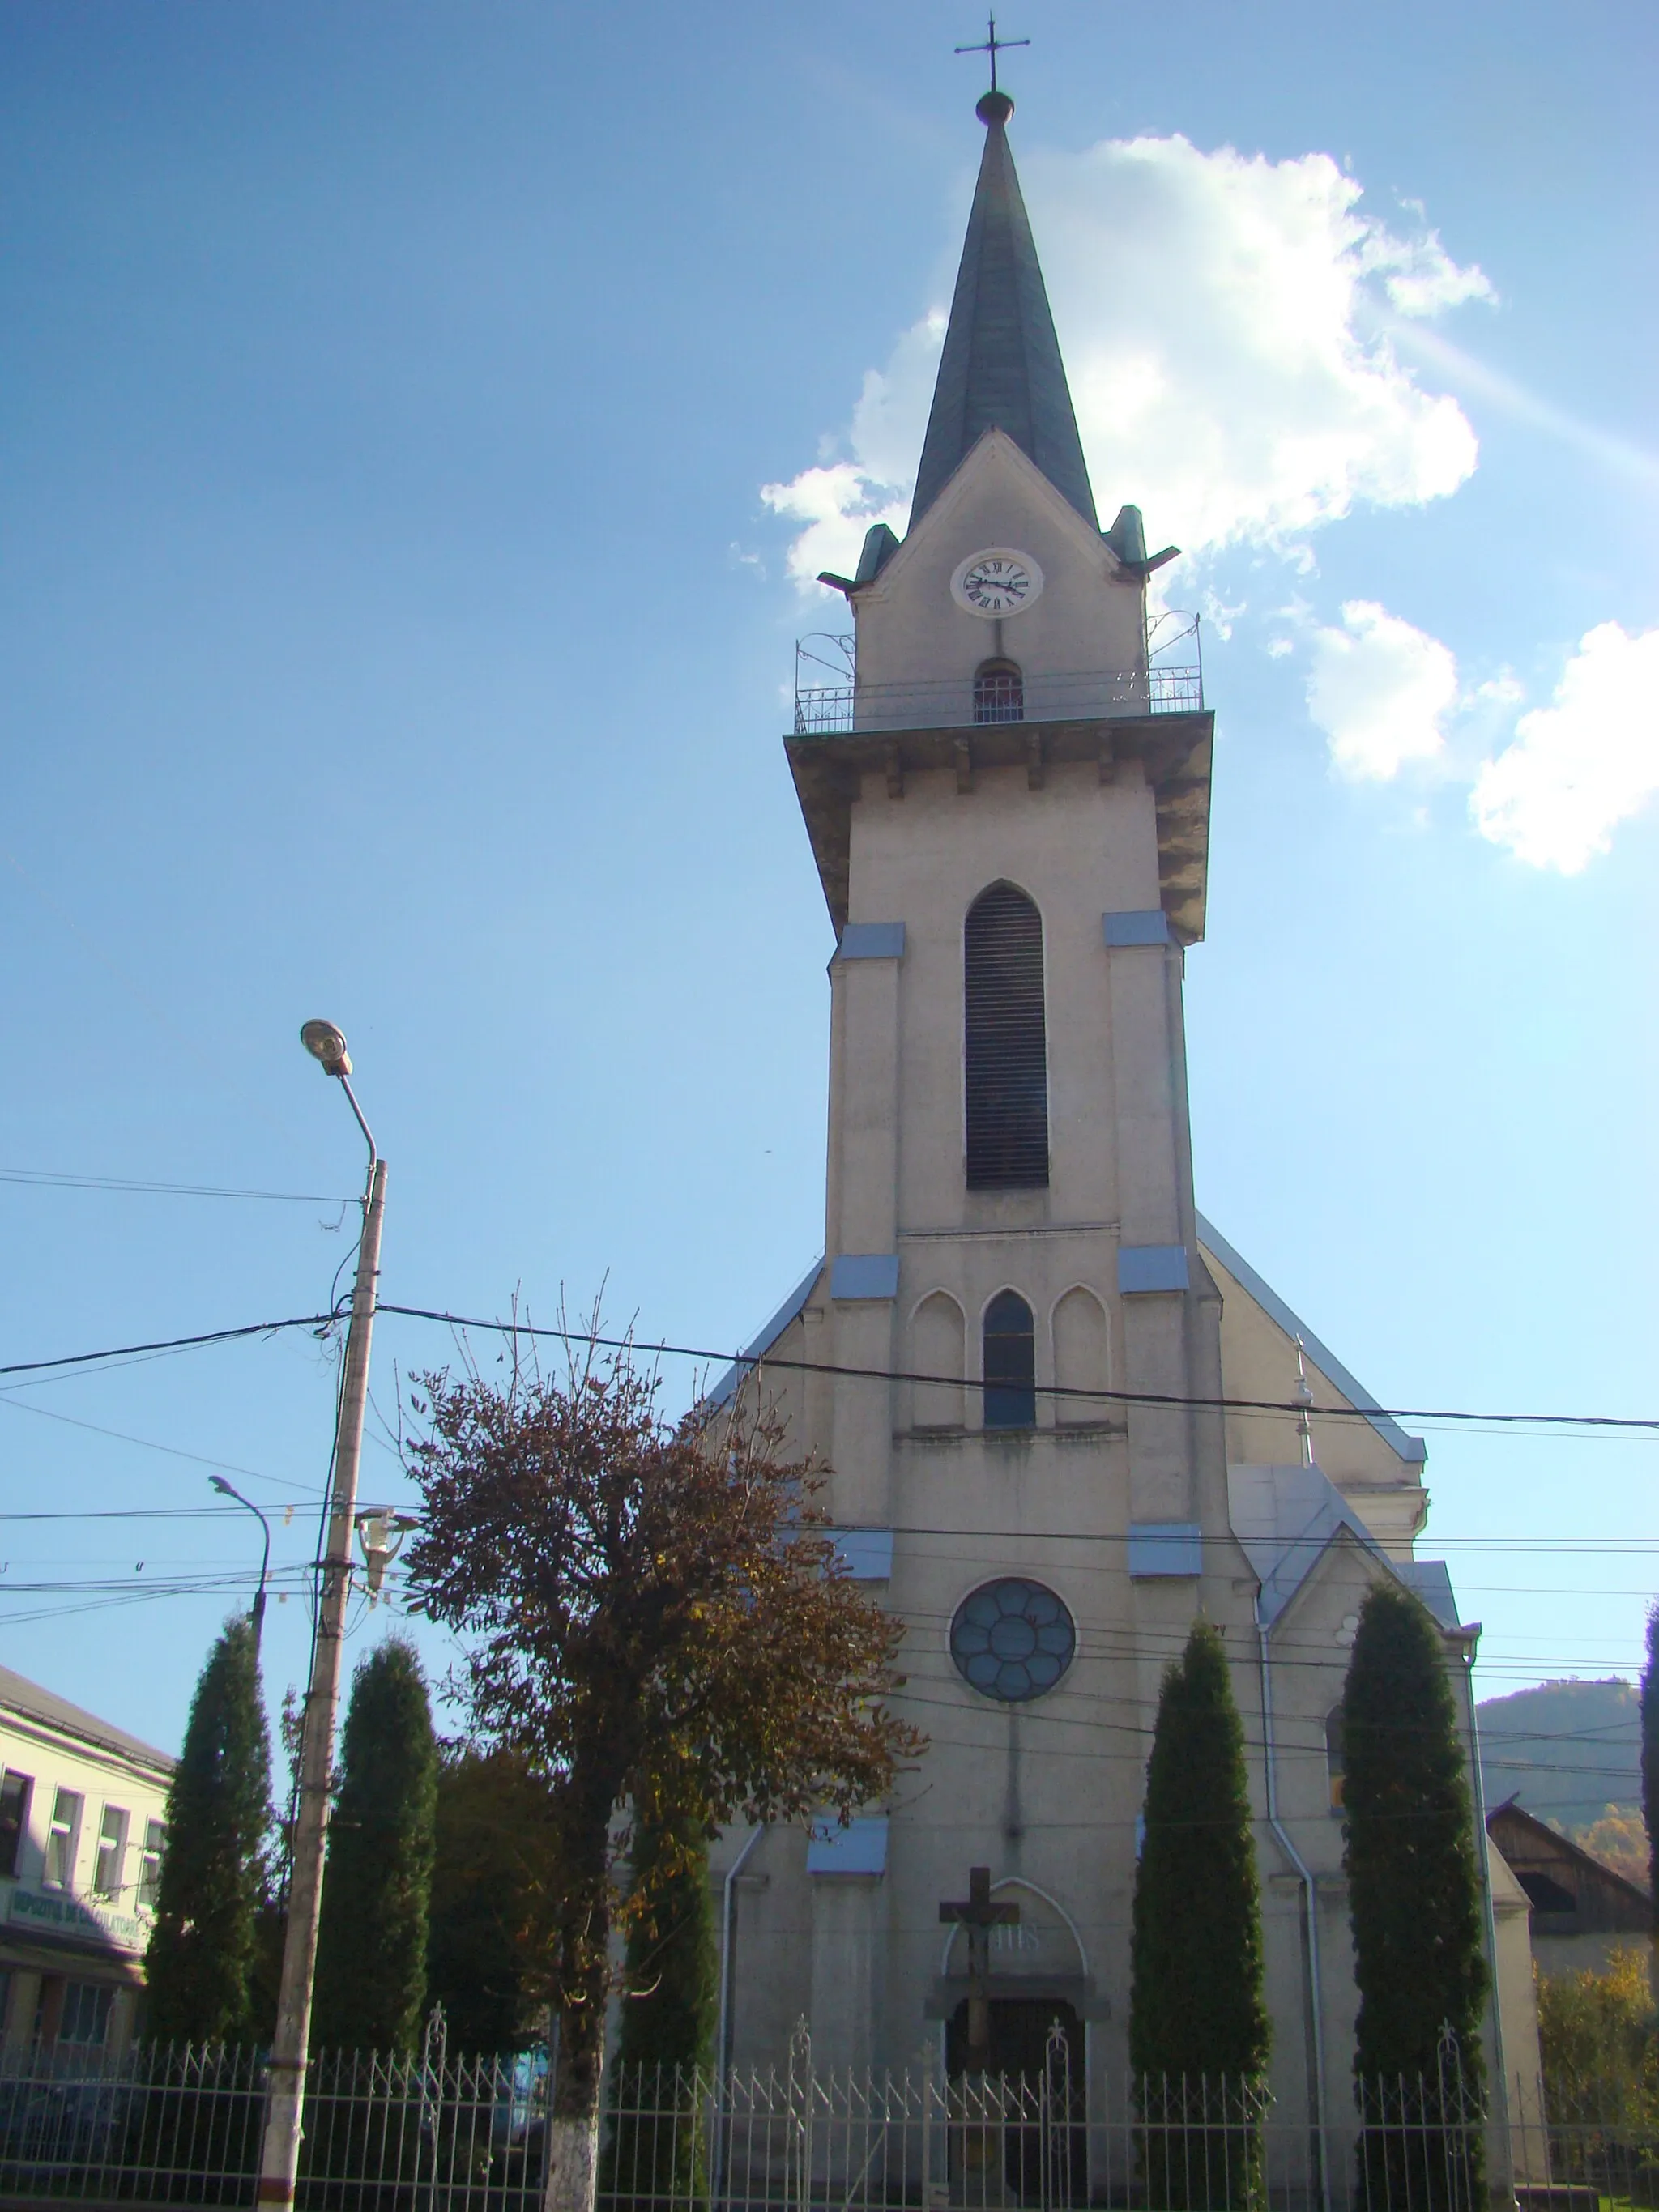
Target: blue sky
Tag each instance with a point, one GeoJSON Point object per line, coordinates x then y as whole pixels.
{"type": "Point", "coordinates": [396, 628]}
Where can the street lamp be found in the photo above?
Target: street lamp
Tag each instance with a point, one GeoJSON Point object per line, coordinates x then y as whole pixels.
{"type": "Point", "coordinates": [280, 2155]}
{"type": "Point", "coordinates": [230, 1489]}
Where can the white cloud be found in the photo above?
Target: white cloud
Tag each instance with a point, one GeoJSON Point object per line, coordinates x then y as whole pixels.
{"type": "Point", "coordinates": [1582, 765]}
{"type": "Point", "coordinates": [1225, 323]}
{"type": "Point", "coordinates": [1380, 691]}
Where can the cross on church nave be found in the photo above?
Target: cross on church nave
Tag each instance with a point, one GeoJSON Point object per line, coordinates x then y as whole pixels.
{"type": "Point", "coordinates": [979, 1916]}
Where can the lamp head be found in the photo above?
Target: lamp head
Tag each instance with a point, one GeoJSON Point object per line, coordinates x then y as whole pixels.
{"type": "Point", "coordinates": [327, 1045]}
{"type": "Point", "coordinates": [221, 1485]}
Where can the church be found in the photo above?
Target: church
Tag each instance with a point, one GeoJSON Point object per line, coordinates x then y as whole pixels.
{"type": "Point", "coordinates": [1009, 806]}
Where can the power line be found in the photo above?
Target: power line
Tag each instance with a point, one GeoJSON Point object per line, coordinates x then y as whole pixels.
{"type": "Point", "coordinates": [41, 1179]}
{"type": "Point", "coordinates": [754, 1362]}
{"type": "Point", "coordinates": [170, 1344]}
{"type": "Point", "coordinates": [148, 1444]}
{"type": "Point", "coordinates": [1612, 1422]}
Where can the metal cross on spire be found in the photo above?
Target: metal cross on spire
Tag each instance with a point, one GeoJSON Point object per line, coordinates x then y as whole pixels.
{"type": "Point", "coordinates": [993, 46]}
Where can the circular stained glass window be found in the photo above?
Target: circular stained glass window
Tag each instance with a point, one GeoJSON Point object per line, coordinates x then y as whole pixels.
{"type": "Point", "coordinates": [1012, 1640]}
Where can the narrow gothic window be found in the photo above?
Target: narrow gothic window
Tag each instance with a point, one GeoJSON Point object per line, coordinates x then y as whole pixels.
{"type": "Point", "coordinates": [1006, 1043]}
{"type": "Point", "coordinates": [1336, 1763]}
{"type": "Point", "coordinates": [1010, 1363]}
{"type": "Point", "coordinates": [999, 693]}
{"type": "Point", "coordinates": [936, 1341]}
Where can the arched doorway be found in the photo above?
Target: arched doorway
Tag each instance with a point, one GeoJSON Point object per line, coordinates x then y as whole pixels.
{"type": "Point", "coordinates": [1023, 2117]}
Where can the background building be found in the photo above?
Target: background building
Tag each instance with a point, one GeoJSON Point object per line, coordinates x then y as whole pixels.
{"type": "Point", "coordinates": [83, 1808]}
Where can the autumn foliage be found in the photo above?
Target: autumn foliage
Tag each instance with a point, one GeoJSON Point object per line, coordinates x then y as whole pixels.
{"type": "Point", "coordinates": [645, 1606]}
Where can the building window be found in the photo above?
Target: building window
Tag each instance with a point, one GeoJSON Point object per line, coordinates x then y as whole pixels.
{"type": "Point", "coordinates": [1082, 1363]}
{"type": "Point", "coordinates": [85, 2016]}
{"type": "Point", "coordinates": [999, 693]}
{"type": "Point", "coordinates": [62, 1837]}
{"type": "Point", "coordinates": [936, 1337]}
{"type": "Point", "coordinates": [150, 1862]}
{"type": "Point", "coordinates": [112, 1852]}
{"type": "Point", "coordinates": [1010, 1363]}
{"type": "Point", "coordinates": [1336, 1762]}
{"type": "Point", "coordinates": [1012, 1640]}
{"type": "Point", "coordinates": [16, 1790]}
{"type": "Point", "coordinates": [1005, 1042]}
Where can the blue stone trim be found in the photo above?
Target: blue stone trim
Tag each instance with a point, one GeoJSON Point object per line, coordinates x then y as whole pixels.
{"type": "Point", "coordinates": [861, 1849]}
{"type": "Point", "coordinates": [864, 1275]}
{"type": "Point", "coordinates": [1164, 1548]}
{"type": "Point", "coordinates": [1143, 1267]}
{"type": "Point", "coordinates": [1150, 925]}
{"type": "Point", "coordinates": [871, 940]}
{"type": "Point", "coordinates": [867, 1554]}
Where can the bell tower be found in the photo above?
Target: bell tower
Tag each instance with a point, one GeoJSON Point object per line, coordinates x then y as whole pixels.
{"type": "Point", "coordinates": [1009, 811]}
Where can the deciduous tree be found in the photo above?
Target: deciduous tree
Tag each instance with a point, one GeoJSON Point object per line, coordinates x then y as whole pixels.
{"type": "Point", "coordinates": [639, 1598]}
{"type": "Point", "coordinates": [199, 1965]}
{"type": "Point", "coordinates": [371, 1942]}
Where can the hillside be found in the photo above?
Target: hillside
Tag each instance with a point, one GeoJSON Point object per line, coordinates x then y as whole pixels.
{"type": "Point", "coordinates": [1566, 1750]}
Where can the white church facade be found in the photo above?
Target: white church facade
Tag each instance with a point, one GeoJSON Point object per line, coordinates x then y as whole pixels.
{"type": "Point", "coordinates": [1009, 809]}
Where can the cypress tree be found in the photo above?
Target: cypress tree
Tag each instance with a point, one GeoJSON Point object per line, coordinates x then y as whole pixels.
{"type": "Point", "coordinates": [1198, 2020]}
{"type": "Point", "coordinates": [1650, 1758]}
{"type": "Point", "coordinates": [199, 1966]}
{"type": "Point", "coordinates": [495, 1887]}
{"type": "Point", "coordinates": [671, 1988]}
{"type": "Point", "coordinates": [371, 1945]}
{"type": "Point", "coordinates": [1414, 1899]}
{"type": "Point", "coordinates": [1196, 2004]}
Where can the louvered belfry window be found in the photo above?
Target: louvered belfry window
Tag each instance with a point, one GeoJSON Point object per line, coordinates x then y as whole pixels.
{"type": "Point", "coordinates": [1007, 1073]}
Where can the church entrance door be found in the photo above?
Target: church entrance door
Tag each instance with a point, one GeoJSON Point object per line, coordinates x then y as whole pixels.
{"type": "Point", "coordinates": [1045, 2142]}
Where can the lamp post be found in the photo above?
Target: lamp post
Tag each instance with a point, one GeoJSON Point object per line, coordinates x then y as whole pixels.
{"type": "Point", "coordinates": [285, 2106]}
{"type": "Point", "coordinates": [230, 1489]}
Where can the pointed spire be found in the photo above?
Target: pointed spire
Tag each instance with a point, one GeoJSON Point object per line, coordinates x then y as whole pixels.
{"type": "Point", "coordinates": [1001, 366]}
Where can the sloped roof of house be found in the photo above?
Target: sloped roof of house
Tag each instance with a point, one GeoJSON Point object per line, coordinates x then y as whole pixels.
{"type": "Point", "coordinates": [28, 1700]}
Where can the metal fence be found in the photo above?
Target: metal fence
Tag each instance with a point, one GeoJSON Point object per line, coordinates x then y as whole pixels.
{"type": "Point", "coordinates": [164, 2126]}
{"type": "Point", "coordinates": [951, 702]}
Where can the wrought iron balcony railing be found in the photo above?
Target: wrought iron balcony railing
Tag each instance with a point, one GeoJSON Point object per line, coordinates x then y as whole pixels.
{"type": "Point", "coordinates": [951, 702]}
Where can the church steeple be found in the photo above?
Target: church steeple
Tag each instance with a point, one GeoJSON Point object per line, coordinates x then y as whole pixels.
{"type": "Point", "coordinates": [1001, 366]}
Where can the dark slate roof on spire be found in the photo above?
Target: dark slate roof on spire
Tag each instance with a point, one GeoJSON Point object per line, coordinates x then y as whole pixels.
{"type": "Point", "coordinates": [1001, 366]}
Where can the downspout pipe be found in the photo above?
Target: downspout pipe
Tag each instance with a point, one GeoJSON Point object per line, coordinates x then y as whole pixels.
{"type": "Point", "coordinates": [1304, 1875]}
{"type": "Point", "coordinates": [1483, 1845]}
{"type": "Point", "coordinates": [728, 1939]}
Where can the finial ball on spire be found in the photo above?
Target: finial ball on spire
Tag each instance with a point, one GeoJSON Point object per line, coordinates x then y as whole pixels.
{"type": "Point", "coordinates": [994, 107]}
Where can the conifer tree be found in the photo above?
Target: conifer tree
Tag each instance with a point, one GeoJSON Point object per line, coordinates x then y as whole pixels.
{"type": "Point", "coordinates": [1198, 2020]}
{"type": "Point", "coordinates": [670, 1996]}
{"type": "Point", "coordinates": [1414, 1899]}
{"type": "Point", "coordinates": [372, 1940]}
{"type": "Point", "coordinates": [1196, 2004]}
{"type": "Point", "coordinates": [1650, 1758]}
{"type": "Point", "coordinates": [200, 1962]}
{"type": "Point", "coordinates": [495, 1893]}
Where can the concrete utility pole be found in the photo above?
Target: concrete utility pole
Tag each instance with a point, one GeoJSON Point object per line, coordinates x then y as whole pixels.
{"type": "Point", "coordinates": [279, 2161]}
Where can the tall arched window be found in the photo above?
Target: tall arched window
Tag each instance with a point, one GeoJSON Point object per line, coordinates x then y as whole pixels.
{"type": "Point", "coordinates": [937, 1334]}
{"type": "Point", "coordinates": [1010, 1363]}
{"type": "Point", "coordinates": [1006, 1042]}
{"type": "Point", "coordinates": [1080, 1357]}
{"type": "Point", "coordinates": [999, 693]}
{"type": "Point", "coordinates": [1336, 1760]}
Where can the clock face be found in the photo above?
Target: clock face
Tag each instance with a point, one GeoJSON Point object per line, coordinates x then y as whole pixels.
{"type": "Point", "coordinates": [997, 582]}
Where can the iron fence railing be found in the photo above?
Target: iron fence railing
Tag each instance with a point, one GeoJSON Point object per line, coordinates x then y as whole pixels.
{"type": "Point", "coordinates": [165, 2126]}
{"type": "Point", "coordinates": [1167, 687]}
